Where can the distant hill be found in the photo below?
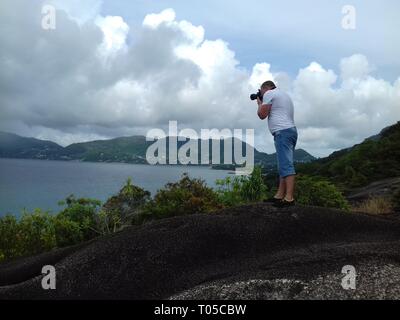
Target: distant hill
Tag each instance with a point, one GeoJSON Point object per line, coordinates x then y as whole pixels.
{"type": "Point", "coordinates": [300, 156]}
{"type": "Point", "coordinates": [123, 149]}
{"type": "Point", "coordinates": [14, 146]}
{"type": "Point", "coordinates": [376, 158]}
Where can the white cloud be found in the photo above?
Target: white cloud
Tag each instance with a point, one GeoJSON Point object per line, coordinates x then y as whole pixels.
{"type": "Point", "coordinates": [56, 85]}
{"type": "Point", "coordinates": [115, 32]}
{"type": "Point", "coordinates": [155, 19]}
{"type": "Point", "coordinates": [340, 116]}
{"type": "Point", "coordinates": [261, 72]}
{"type": "Point", "coordinates": [355, 67]}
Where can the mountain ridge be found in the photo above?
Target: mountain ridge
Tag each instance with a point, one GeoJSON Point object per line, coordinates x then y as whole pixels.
{"type": "Point", "coordinates": [127, 149]}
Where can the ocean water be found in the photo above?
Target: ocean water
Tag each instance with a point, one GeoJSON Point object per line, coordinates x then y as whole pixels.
{"type": "Point", "coordinates": [41, 184]}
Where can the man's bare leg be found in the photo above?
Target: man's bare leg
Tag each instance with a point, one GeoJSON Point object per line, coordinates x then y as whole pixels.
{"type": "Point", "coordinates": [289, 181]}
{"type": "Point", "coordinates": [280, 194]}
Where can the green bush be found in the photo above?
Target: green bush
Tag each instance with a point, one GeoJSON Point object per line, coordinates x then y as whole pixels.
{"type": "Point", "coordinates": [39, 231]}
{"type": "Point", "coordinates": [83, 213]}
{"type": "Point", "coordinates": [81, 220]}
{"type": "Point", "coordinates": [9, 244]}
{"type": "Point", "coordinates": [187, 196]}
{"type": "Point", "coordinates": [122, 208]}
{"type": "Point", "coordinates": [317, 191]}
{"type": "Point", "coordinates": [233, 191]}
{"type": "Point", "coordinates": [36, 232]}
{"type": "Point", "coordinates": [67, 232]}
{"type": "Point", "coordinates": [354, 178]}
{"type": "Point", "coordinates": [229, 191]}
{"type": "Point", "coordinates": [33, 233]}
{"type": "Point", "coordinates": [109, 222]}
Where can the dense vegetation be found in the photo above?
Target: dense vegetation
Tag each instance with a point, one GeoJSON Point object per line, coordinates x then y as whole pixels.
{"type": "Point", "coordinates": [372, 160]}
{"type": "Point", "coordinates": [84, 219]}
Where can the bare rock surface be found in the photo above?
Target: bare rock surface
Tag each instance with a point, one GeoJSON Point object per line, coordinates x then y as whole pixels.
{"type": "Point", "coordinates": [249, 252]}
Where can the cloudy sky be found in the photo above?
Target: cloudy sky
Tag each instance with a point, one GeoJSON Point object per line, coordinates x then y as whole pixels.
{"type": "Point", "coordinates": [117, 68]}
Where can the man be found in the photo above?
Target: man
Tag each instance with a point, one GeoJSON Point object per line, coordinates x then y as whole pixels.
{"type": "Point", "coordinates": [277, 106]}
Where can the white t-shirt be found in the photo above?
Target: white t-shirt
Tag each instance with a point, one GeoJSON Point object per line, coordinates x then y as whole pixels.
{"type": "Point", "coordinates": [281, 116]}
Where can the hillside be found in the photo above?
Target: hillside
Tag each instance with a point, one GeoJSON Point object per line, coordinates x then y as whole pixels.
{"type": "Point", "coordinates": [122, 149]}
{"type": "Point", "coordinates": [376, 158]}
{"type": "Point", "coordinates": [14, 146]}
{"type": "Point", "coordinates": [249, 252]}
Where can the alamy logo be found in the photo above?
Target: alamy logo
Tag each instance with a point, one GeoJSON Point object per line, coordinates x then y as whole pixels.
{"type": "Point", "coordinates": [349, 18]}
{"type": "Point", "coordinates": [49, 17]}
{"type": "Point", "coordinates": [49, 278]}
{"type": "Point", "coordinates": [349, 280]}
{"type": "Point", "coordinates": [188, 153]}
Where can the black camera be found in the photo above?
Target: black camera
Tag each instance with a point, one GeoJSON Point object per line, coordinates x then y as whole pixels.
{"type": "Point", "coordinates": [254, 96]}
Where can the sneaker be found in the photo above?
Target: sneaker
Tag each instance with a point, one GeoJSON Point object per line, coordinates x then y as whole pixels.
{"type": "Point", "coordinates": [272, 200]}
{"type": "Point", "coordinates": [284, 203]}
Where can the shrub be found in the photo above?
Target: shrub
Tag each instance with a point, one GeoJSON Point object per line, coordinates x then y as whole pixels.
{"type": "Point", "coordinates": [109, 221]}
{"type": "Point", "coordinates": [238, 190]}
{"type": "Point", "coordinates": [67, 232]}
{"type": "Point", "coordinates": [187, 196]}
{"type": "Point", "coordinates": [253, 187]}
{"type": "Point", "coordinates": [316, 191]}
{"type": "Point", "coordinates": [82, 212]}
{"type": "Point", "coordinates": [354, 178]}
{"type": "Point", "coordinates": [9, 244]}
{"type": "Point", "coordinates": [122, 208]}
{"type": "Point", "coordinates": [36, 233]}
{"type": "Point", "coordinates": [229, 191]}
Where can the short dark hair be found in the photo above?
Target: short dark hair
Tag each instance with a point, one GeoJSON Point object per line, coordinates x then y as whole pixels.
{"type": "Point", "coordinates": [268, 84]}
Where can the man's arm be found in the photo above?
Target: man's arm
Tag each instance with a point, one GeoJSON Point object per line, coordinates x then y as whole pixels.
{"type": "Point", "coordinates": [263, 110]}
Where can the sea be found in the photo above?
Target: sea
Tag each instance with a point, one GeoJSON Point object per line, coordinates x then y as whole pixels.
{"type": "Point", "coordinates": [27, 184]}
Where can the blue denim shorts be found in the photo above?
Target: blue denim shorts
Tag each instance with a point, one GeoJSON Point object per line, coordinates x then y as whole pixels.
{"type": "Point", "coordinates": [285, 144]}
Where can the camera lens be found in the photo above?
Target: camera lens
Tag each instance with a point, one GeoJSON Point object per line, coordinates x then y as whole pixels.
{"type": "Point", "coordinates": [253, 96]}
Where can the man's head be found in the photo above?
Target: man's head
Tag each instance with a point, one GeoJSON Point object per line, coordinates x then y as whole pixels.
{"type": "Point", "coordinates": [266, 86]}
